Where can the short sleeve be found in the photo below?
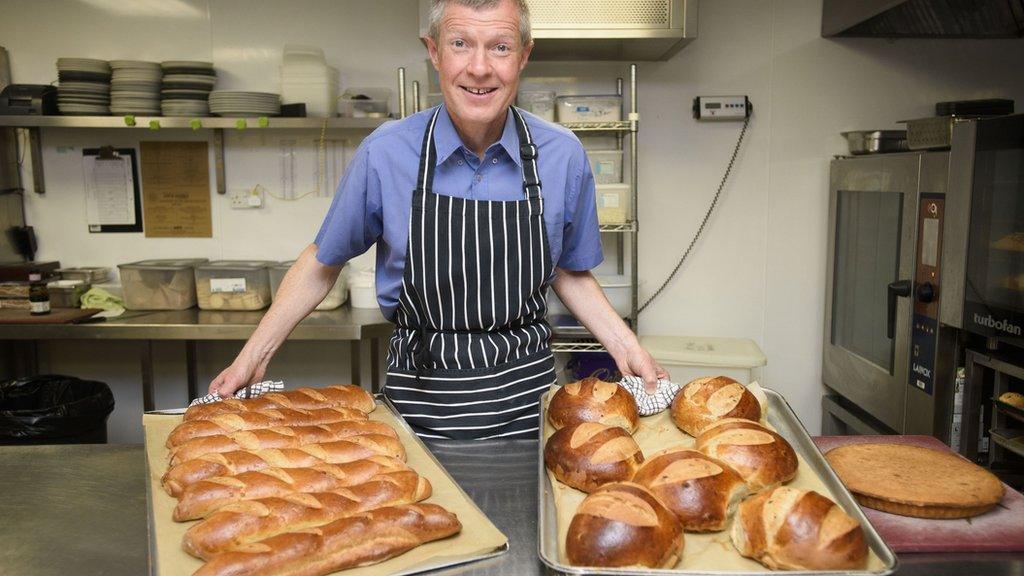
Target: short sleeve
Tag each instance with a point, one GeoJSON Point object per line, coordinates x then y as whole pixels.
{"type": "Point", "coordinates": [355, 219]}
{"type": "Point", "coordinates": [581, 239]}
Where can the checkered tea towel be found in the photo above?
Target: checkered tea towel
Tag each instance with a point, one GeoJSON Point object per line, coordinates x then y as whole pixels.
{"type": "Point", "coordinates": [250, 391]}
{"type": "Point", "coordinates": [648, 404]}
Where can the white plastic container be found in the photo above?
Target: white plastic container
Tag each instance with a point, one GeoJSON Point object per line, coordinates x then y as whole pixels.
{"type": "Point", "coordinates": [689, 357]}
{"type": "Point", "coordinates": [589, 108]}
{"type": "Point", "coordinates": [160, 284]}
{"type": "Point", "coordinates": [362, 286]}
{"type": "Point", "coordinates": [335, 298]}
{"type": "Point", "coordinates": [538, 102]}
{"type": "Point", "coordinates": [319, 91]}
{"type": "Point", "coordinates": [365, 102]}
{"type": "Point", "coordinates": [606, 166]}
{"type": "Point", "coordinates": [613, 203]}
{"type": "Point", "coordinates": [233, 285]}
{"type": "Point", "coordinates": [598, 142]}
{"type": "Point", "coordinates": [616, 288]}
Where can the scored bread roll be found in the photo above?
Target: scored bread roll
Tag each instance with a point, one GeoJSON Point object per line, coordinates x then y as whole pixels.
{"type": "Point", "coordinates": [285, 437]}
{"type": "Point", "coordinates": [345, 395]}
{"type": "Point", "coordinates": [621, 525]}
{"type": "Point", "coordinates": [259, 419]}
{"type": "Point", "coordinates": [705, 400]}
{"type": "Point", "coordinates": [790, 529]}
{"type": "Point", "coordinates": [701, 491]}
{"type": "Point", "coordinates": [1014, 399]}
{"type": "Point", "coordinates": [254, 520]}
{"type": "Point", "coordinates": [590, 454]}
{"type": "Point", "coordinates": [206, 496]}
{"type": "Point", "coordinates": [368, 538]}
{"type": "Point", "coordinates": [593, 400]}
{"type": "Point", "coordinates": [761, 456]}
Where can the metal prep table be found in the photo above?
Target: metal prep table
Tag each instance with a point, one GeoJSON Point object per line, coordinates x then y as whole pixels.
{"type": "Point", "coordinates": [192, 325]}
{"type": "Point", "coordinates": [84, 507]}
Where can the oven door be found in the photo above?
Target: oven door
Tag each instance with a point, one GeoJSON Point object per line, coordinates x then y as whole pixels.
{"type": "Point", "coordinates": [868, 308]}
{"type": "Point", "coordinates": [994, 290]}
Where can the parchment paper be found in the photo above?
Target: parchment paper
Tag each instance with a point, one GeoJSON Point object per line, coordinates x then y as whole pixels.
{"type": "Point", "coordinates": [479, 537]}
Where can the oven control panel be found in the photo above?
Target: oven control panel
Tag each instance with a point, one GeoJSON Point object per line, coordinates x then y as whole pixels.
{"type": "Point", "coordinates": [927, 276]}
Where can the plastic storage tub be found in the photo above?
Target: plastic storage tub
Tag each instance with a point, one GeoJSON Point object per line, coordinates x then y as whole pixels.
{"type": "Point", "coordinates": [616, 288]}
{"type": "Point", "coordinates": [589, 108]}
{"type": "Point", "coordinates": [362, 286]}
{"type": "Point", "coordinates": [89, 274]}
{"type": "Point", "coordinates": [538, 102]}
{"type": "Point", "coordinates": [365, 102]}
{"type": "Point", "coordinates": [233, 285]}
{"type": "Point", "coordinates": [690, 357]}
{"type": "Point", "coordinates": [613, 203]}
{"type": "Point", "coordinates": [336, 297]}
{"type": "Point", "coordinates": [606, 166]}
{"type": "Point", "coordinates": [160, 284]}
{"type": "Point", "coordinates": [319, 92]}
{"type": "Point", "coordinates": [66, 293]}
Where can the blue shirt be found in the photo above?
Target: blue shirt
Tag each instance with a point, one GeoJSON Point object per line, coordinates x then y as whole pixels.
{"type": "Point", "coordinates": [373, 201]}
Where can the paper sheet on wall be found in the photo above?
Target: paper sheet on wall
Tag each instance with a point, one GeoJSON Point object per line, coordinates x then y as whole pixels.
{"type": "Point", "coordinates": [176, 190]}
{"type": "Point", "coordinates": [111, 191]}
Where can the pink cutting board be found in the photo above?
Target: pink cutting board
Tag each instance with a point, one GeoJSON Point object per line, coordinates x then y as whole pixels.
{"type": "Point", "coordinates": [999, 530]}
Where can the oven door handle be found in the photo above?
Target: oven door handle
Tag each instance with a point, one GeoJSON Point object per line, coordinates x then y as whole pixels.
{"type": "Point", "coordinates": [901, 288]}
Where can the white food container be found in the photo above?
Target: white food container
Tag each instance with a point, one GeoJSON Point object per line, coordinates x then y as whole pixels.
{"type": "Point", "coordinates": [589, 108]}
{"type": "Point", "coordinates": [365, 102]}
{"type": "Point", "coordinates": [606, 166]}
{"type": "Point", "coordinates": [336, 297]}
{"type": "Point", "coordinates": [362, 285]}
{"type": "Point", "coordinates": [318, 91]}
{"type": "Point", "coordinates": [168, 284]}
{"type": "Point", "coordinates": [598, 142]}
{"type": "Point", "coordinates": [616, 288]}
{"type": "Point", "coordinates": [538, 102]}
{"type": "Point", "coordinates": [690, 357]}
{"type": "Point", "coordinates": [613, 203]}
{"type": "Point", "coordinates": [233, 285]}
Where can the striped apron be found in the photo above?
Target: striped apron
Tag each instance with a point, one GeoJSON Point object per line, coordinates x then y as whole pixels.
{"type": "Point", "coordinates": [469, 357]}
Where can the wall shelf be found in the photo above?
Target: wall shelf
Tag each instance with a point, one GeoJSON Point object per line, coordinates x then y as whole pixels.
{"type": "Point", "coordinates": [214, 122]}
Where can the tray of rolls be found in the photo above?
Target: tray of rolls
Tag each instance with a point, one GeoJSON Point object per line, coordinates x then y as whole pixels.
{"type": "Point", "coordinates": [308, 482]}
{"type": "Point", "coordinates": [726, 480]}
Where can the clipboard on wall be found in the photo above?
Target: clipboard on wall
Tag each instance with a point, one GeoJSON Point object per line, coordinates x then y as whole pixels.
{"type": "Point", "coordinates": [113, 202]}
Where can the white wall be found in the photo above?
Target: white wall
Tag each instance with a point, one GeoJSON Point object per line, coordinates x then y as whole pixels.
{"type": "Point", "coordinates": [759, 270]}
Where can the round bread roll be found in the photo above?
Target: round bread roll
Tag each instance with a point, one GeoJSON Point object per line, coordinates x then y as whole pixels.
{"type": "Point", "coordinates": [1013, 399]}
{"type": "Point", "coordinates": [790, 529]}
{"type": "Point", "coordinates": [590, 454]}
{"type": "Point", "coordinates": [622, 524]}
{"type": "Point", "coordinates": [593, 400]}
{"type": "Point", "coordinates": [759, 455]}
{"type": "Point", "coordinates": [701, 491]}
{"type": "Point", "coordinates": [706, 400]}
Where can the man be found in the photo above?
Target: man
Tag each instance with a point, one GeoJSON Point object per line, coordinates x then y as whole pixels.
{"type": "Point", "coordinates": [476, 208]}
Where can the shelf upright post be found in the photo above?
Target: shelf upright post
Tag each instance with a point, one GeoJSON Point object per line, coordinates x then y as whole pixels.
{"type": "Point", "coordinates": [218, 160]}
{"type": "Point", "coordinates": [415, 96]}
{"type": "Point", "coordinates": [35, 144]}
{"type": "Point", "coordinates": [401, 92]}
{"type": "Point", "coordinates": [620, 239]}
{"type": "Point", "coordinates": [634, 120]}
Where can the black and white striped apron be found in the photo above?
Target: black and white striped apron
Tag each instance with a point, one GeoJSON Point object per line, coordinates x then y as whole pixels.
{"type": "Point", "coordinates": [469, 357]}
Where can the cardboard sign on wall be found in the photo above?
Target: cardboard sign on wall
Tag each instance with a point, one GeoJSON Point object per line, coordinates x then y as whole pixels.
{"type": "Point", "coordinates": [176, 190]}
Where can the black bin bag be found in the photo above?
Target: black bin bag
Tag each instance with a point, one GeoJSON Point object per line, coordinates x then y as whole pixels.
{"type": "Point", "coordinates": [54, 409]}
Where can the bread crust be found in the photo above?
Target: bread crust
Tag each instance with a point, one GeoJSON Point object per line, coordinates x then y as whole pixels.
{"type": "Point", "coordinates": [761, 456]}
{"type": "Point", "coordinates": [257, 420]}
{"type": "Point", "coordinates": [345, 395]}
{"type": "Point", "coordinates": [589, 454]}
{"type": "Point", "coordinates": [706, 400]}
{"type": "Point", "coordinates": [593, 400]}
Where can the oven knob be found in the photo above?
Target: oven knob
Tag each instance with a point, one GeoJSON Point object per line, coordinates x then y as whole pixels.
{"type": "Point", "coordinates": [925, 292]}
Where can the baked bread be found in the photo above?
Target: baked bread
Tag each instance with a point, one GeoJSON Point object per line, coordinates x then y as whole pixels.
{"type": "Point", "coordinates": [701, 491]}
{"type": "Point", "coordinates": [1014, 399]}
{"type": "Point", "coordinates": [706, 400]}
{"type": "Point", "coordinates": [623, 525]}
{"type": "Point", "coordinates": [790, 529]}
{"type": "Point", "coordinates": [368, 538]}
{"type": "Point", "coordinates": [251, 521]}
{"type": "Point", "coordinates": [914, 481]}
{"type": "Point", "coordinates": [590, 454]}
{"type": "Point", "coordinates": [259, 419]}
{"type": "Point", "coordinates": [762, 457]}
{"type": "Point", "coordinates": [345, 395]}
{"type": "Point", "coordinates": [593, 400]}
{"type": "Point", "coordinates": [207, 496]}
{"type": "Point", "coordinates": [284, 437]}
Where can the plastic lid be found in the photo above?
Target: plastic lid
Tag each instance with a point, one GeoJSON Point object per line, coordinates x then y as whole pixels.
{"type": "Point", "coordinates": [236, 265]}
{"type": "Point", "coordinates": [164, 264]}
{"type": "Point", "coordinates": [704, 351]}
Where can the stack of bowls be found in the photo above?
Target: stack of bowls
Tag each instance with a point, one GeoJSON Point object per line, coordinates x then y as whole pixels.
{"type": "Point", "coordinates": [84, 86]}
{"type": "Point", "coordinates": [135, 88]}
{"type": "Point", "coordinates": [186, 87]}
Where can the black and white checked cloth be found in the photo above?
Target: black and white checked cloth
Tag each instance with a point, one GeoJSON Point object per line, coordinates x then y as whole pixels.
{"type": "Point", "coordinates": [246, 392]}
{"type": "Point", "coordinates": [648, 404]}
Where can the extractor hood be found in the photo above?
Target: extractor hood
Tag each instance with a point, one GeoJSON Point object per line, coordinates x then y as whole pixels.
{"type": "Point", "coordinates": [923, 18]}
{"type": "Point", "coordinates": [633, 30]}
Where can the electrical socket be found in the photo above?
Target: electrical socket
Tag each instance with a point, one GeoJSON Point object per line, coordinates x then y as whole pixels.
{"type": "Point", "coordinates": [246, 199]}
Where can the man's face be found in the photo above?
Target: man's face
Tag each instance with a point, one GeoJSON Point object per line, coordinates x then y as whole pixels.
{"type": "Point", "coordinates": [479, 57]}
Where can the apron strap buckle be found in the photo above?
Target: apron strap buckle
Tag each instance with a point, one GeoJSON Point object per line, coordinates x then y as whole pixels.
{"type": "Point", "coordinates": [528, 151]}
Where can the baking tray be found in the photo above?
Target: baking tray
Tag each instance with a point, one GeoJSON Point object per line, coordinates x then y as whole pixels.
{"type": "Point", "coordinates": [784, 420]}
{"type": "Point", "coordinates": [1009, 409]}
{"type": "Point", "coordinates": [876, 141]}
{"type": "Point", "coordinates": [446, 555]}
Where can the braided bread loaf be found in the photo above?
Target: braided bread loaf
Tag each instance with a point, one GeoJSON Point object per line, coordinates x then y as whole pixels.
{"type": "Point", "coordinates": [283, 437]}
{"type": "Point", "coordinates": [593, 400]}
{"type": "Point", "coordinates": [590, 454]}
{"type": "Point", "coordinates": [206, 496]}
{"type": "Point", "coordinates": [345, 395]}
{"type": "Point", "coordinates": [706, 400]}
{"type": "Point", "coordinates": [360, 540]}
{"type": "Point", "coordinates": [254, 520]}
{"type": "Point", "coordinates": [257, 420]}
{"type": "Point", "coordinates": [761, 456]}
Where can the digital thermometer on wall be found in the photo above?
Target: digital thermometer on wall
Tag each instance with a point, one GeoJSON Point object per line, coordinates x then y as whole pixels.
{"type": "Point", "coordinates": [721, 107]}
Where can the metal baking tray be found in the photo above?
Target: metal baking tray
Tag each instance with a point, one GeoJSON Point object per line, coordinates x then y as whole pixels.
{"type": "Point", "coordinates": [785, 422]}
{"type": "Point", "coordinates": [876, 141]}
{"type": "Point", "coordinates": [1009, 409]}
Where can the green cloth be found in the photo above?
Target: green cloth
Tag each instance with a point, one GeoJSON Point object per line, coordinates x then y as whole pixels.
{"type": "Point", "coordinates": [100, 298]}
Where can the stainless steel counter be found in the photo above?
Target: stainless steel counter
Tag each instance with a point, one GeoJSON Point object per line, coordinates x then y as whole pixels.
{"type": "Point", "coordinates": [82, 509]}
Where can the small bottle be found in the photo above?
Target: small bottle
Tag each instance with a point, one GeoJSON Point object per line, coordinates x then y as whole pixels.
{"type": "Point", "coordinates": [38, 294]}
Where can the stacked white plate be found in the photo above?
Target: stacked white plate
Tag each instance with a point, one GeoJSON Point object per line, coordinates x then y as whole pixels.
{"type": "Point", "coordinates": [242, 104]}
{"type": "Point", "coordinates": [135, 87]}
{"type": "Point", "coordinates": [186, 87]}
{"type": "Point", "coordinates": [84, 87]}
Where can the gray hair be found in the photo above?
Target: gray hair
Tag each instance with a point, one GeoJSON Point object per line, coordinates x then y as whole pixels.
{"type": "Point", "coordinates": [437, 14]}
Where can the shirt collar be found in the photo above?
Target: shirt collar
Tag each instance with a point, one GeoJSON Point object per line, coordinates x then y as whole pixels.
{"type": "Point", "coordinates": [447, 140]}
